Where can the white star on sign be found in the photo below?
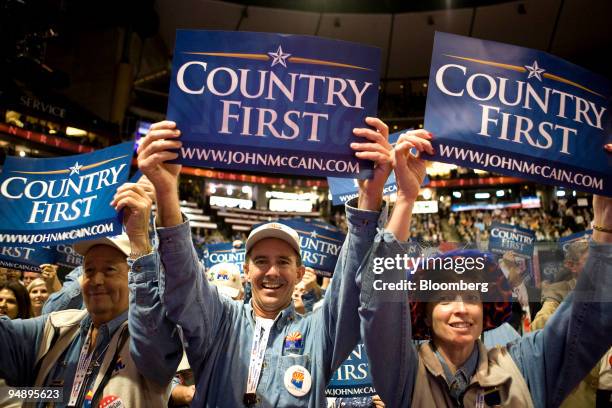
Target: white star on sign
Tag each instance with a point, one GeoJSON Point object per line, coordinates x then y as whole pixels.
{"type": "Point", "coordinates": [534, 71]}
{"type": "Point", "coordinates": [313, 234]}
{"type": "Point", "coordinates": [279, 57]}
{"type": "Point", "coordinates": [75, 168]}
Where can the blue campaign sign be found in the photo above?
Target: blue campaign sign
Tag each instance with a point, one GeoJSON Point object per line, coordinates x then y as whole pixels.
{"type": "Point", "coordinates": [352, 378]}
{"type": "Point", "coordinates": [506, 237]}
{"type": "Point", "coordinates": [68, 257]}
{"type": "Point", "coordinates": [564, 242]}
{"type": "Point", "coordinates": [62, 199]}
{"type": "Point", "coordinates": [26, 258]}
{"type": "Point", "coordinates": [223, 253]}
{"type": "Point", "coordinates": [519, 112]}
{"type": "Point", "coordinates": [514, 248]}
{"type": "Point", "coordinates": [320, 246]}
{"type": "Point", "coordinates": [273, 103]}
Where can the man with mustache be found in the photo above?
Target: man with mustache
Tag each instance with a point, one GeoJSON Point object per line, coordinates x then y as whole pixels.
{"type": "Point", "coordinates": [261, 353]}
{"type": "Point", "coordinates": [87, 353]}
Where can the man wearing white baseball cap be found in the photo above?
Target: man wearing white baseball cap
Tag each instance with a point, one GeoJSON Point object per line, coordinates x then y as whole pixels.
{"type": "Point", "coordinates": [87, 353]}
{"type": "Point", "coordinates": [260, 353]}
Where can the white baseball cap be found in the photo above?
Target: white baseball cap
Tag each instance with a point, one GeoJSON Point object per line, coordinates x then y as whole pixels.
{"type": "Point", "coordinates": [226, 277]}
{"type": "Point", "coordinates": [274, 230]}
{"type": "Point", "coordinates": [119, 242]}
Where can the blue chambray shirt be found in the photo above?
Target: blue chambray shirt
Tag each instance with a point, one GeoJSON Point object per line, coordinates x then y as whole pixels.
{"type": "Point", "coordinates": [218, 332]}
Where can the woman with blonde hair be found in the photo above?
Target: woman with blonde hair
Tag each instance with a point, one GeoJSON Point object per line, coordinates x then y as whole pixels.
{"type": "Point", "coordinates": [37, 289]}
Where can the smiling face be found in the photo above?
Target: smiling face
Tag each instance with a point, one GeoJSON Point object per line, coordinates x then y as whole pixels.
{"type": "Point", "coordinates": [105, 283]}
{"type": "Point", "coordinates": [455, 320]}
{"type": "Point", "coordinates": [38, 296]}
{"type": "Point", "coordinates": [272, 268]}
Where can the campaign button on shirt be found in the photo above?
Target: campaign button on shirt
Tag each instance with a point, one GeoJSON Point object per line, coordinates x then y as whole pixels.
{"type": "Point", "coordinates": [111, 401]}
{"type": "Point", "coordinates": [294, 343]}
{"type": "Point", "coordinates": [297, 380]}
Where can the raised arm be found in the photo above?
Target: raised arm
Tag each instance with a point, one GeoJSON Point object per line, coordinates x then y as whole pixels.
{"type": "Point", "coordinates": [555, 359]}
{"type": "Point", "coordinates": [385, 323]}
{"type": "Point", "coordinates": [338, 314]}
{"type": "Point", "coordinates": [187, 297]}
{"type": "Point", "coordinates": [69, 296]}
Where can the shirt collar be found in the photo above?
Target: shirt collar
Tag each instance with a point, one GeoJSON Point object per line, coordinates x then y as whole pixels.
{"type": "Point", "coordinates": [466, 371]}
{"type": "Point", "coordinates": [286, 315]}
{"type": "Point", "coordinates": [107, 329]}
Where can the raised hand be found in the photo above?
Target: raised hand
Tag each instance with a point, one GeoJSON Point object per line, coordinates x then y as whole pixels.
{"type": "Point", "coordinates": [410, 169]}
{"type": "Point", "coordinates": [49, 275]}
{"type": "Point", "coordinates": [377, 148]}
{"type": "Point", "coordinates": [154, 152]}
{"type": "Point", "coordinates": [136, 203]}
{"type": "Point", "coordinates": [409, 175]}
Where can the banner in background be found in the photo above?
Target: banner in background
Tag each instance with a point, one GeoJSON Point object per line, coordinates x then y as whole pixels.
{"type": "Point", "coordinates": [26, 258]}
{"type": "Point", "coordinates": [273, 103]}
{"type": "Point", "coordinates": [224, 253]}
{"type": "Point", "coordinates": [519, 112]}
{"type": "Point", "coordinates": [320, 246]}
{"type": "Point", "coordinates": [564, 242]}
{"type": "Point", "coordinates": [62, 199]}
{"type": "Point", "coordinates": [352, 378]}
{"type": "Point", "coordinates": [68, 257]}
{"type": "Point", "coordinates": [514, 246]}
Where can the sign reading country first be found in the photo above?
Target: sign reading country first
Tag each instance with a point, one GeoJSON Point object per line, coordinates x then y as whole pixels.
{"type": "Point", "coordinates": [519, 112]}
{"type": "Point", "coordinates": [62, 199]}
{"type": "Point", "coordinates": [272, 103]}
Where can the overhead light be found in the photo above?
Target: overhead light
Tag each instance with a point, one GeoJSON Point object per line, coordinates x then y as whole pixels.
{"type": "Point", "coordinates": [212, 189]}
{"type": "Point", "coordinates": [22, 153]}
{"type": "Point", "coordinates": [457, 194]}
{"type": "Point", "coordinates": [426, 193]}
{"type": "Point", "coordinates": [72, 131]}
{"type": "Point", "coordinates": [574, 193]}
{"type": "Point", "coordinates": [500, 193]}
{"type": "Point", "coordinates": [424, 84]}
{"type": "Point", "coordinates": [560, 193]}
{"type": "Point", "coordinates": [247, 189]}
{"type": "Point", "coordinates": [482, 196]}
{"type": "Point", "coordinates": [230, 190]}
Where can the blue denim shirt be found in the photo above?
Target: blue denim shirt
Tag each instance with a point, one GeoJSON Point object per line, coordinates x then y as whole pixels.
{"type": "Point", "coordinates": [218, 332]}
{"type": "Point", "coordinates": [552, 360]}
{"type": "Point", "coordinates": [19, 339]}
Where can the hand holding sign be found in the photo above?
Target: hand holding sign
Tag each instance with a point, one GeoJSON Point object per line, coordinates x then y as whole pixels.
{"type": "Point", "coordinates": [410, 170]}
{"type": "Point", "coordinates": [153, 153]}
{"type": "Point", "coordinates": [137, 204]}
{"type": "Point", "coordinates": [409, 175]}
{"type": "Point", "coordinates": [378, 149]}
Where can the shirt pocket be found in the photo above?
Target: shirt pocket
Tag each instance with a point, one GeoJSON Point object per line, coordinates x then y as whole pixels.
{"type": "Point", "coordinates": [285, 363]}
